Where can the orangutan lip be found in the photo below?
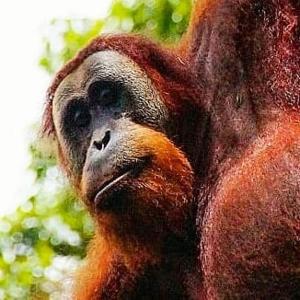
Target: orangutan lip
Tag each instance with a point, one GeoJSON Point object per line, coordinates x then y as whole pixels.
{"type": "Point", "coordinates": [131, 170]}
{"type": "Point", "coordinates": [108, 185]}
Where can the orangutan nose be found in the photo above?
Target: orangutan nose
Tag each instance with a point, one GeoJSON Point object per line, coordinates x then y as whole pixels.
{"type": "Point", "coordinates": [102, 144]}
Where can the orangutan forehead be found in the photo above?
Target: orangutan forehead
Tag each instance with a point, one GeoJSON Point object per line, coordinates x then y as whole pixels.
{"type": "Point", "coordinates": [112, 66]}
{"type": "Point", "coordinates": [107, 66]}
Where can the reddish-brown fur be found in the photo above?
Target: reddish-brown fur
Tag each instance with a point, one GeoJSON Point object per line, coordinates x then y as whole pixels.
{"type": "Point", "coordinates": [123, 261]}
{"type": "Point", "coordinates": [234, 85]}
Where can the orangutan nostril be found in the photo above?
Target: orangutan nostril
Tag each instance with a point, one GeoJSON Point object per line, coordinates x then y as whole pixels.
{"type": "Point", "coordinates": [101, 145]}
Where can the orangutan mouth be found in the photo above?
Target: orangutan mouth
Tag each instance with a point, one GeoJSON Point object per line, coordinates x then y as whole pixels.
{"type": "Point", "coordinates": [132, 170]}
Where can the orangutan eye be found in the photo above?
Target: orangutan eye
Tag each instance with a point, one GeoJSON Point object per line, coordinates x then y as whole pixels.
{"type": "Point", "coordinates": [79, 115]}
{"type": "Point", "coordinates": [105, 94]}
{"type": "Point", "coordinates": [107, 97]}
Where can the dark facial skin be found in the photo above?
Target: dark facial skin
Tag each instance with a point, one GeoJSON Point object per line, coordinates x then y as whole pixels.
{"type": "Point", "coordinates": [106, 87]}
{"type": "Point", "coordinates": [111, 127]}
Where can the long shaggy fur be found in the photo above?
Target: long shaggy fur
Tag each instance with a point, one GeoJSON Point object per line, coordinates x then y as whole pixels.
{"type": "Point", "coordinates": [233, 88]}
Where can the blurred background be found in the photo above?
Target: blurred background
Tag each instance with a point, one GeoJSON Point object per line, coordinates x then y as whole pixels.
{"type": "Point", "coordinates": [43, 228]}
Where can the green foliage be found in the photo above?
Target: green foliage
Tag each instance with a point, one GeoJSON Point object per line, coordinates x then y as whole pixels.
{"type": "Point", "coordinates": [68, 37]}
{"type": "Point", "coordinates": [159, 19]}
{"type": "Point", "coordinates": [45, 239]}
